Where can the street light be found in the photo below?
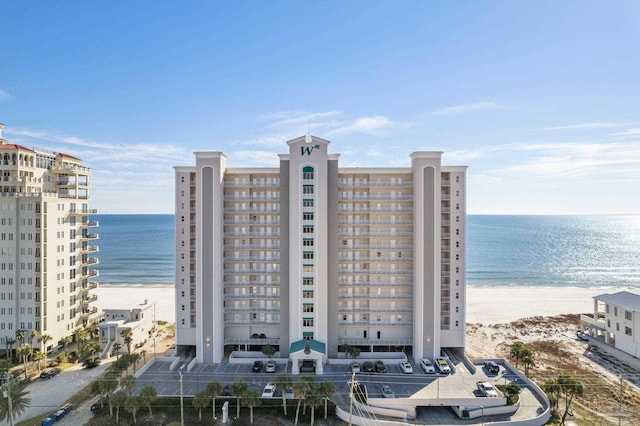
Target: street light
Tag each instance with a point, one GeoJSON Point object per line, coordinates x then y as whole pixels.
{"type": "Point", "coordinates": [181, 399]}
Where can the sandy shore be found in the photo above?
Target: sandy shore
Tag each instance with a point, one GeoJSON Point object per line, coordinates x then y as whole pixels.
{"type": "Point", "coordinates": [486, 305]}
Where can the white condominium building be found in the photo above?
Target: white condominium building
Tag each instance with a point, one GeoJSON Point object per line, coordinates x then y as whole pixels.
{"type": "Point", "coordinates": [310, 256]}
{"type": "Point", "coordinates": [45, 245]}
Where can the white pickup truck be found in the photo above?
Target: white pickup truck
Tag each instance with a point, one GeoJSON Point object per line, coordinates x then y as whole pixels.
{"type": "Point", "coordinates": [487, 389]}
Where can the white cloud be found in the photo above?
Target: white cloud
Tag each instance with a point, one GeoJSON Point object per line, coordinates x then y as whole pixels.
{"type": "Point", "coordinates": [594, 125]}
{"type": "Point", "coordinates": [629, 132]}
{"type": "Point", "coordinates": [4, 95]}
{"type": "Point", "coordinates": [466, 108]}
{"type": "Point", "coordinates": [377, 125]}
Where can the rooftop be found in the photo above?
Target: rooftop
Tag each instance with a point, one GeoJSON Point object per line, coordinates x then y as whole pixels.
{"type": "Point", "coordinates": [624, 299]}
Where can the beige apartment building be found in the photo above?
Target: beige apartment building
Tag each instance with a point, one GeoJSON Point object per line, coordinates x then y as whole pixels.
{"type": "Point", "coordinates": [46, 251]}
{"type": "Point", "coordinates": [310, 256]}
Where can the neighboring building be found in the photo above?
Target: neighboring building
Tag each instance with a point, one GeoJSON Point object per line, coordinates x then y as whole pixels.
{"type": "Point", "coordinates": [615, 321]}
{"type": "Point", "coordinates": [45, 244]}
{"type": "Point", "coordinates": [139, 319]}
{"type": "Point", "coordinates": [368, 257]}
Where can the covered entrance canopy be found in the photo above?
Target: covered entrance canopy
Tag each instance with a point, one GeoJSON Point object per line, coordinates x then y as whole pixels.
{"type": "Point", "coordinates": [307, 350]}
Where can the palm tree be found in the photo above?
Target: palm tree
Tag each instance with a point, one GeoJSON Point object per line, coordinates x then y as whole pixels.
{"type": "Point", "coordinates": [300, 391]}
{"type": "Point", "coordinates": [39, 356]}
{"type": "Point", "coordinates": [127, 383]}
{"type": "Point", "coordinates": [148, 395]}
{"type": "Point", "coordinates": [44, 338]}
{"type": "Point", "coordinates": [117, 399]}
{"type": "Point", "coordinates": [81, 335]}
{"type": "Point", "coordinates": [238, 388]}
{"type": "Point", "coordinates": [24, 351]}
{"type": "Point", "coordinates": [568, 387]}
{"type": "Point", "coordinates": [92, 347]}
{"type": "Point", "coordinates": [9, 342]}
{"type": "Point", "coordinates": [144, 356]}
{"type": "Point", "coordinates": [268, 350]}
{"type": "Point", "coordinates": [127, 338]}
{"type": "Point", "coordinates": [20, 336]}
{"type": "Point", "coordinates": [66, 340]}
{"type": "Point", "coordinates": [116, 349]}
{"type": "Point", "coordinates": [310, 383]}
{"type": "Point", "coordinates": [284, 383]}
{"type": "Point", "coordinates": [551, 388]}
{"type": "Point", "coordinates": [516, 351]}
{"type": "Point", "coordinates": [313, 399]}
{"type": "Point", "coordinates": [92, 330]}
{"type": "Point", "coordinates": [200, 401]}
{"type": "Point", "coordinates": [19, 402]}
{"type": "Point", "coordinates": [251, 399]}
{"type": "Point", "coordinates": [326, 390]}
{"type": "Point", "coordinates": [32, 336]}
{"type": "Point", "coordinates": [132, 405]}
{"type": "Point", "coordinates": [212, 390]}
{"type": "Point", "coordinates": [528, 359]}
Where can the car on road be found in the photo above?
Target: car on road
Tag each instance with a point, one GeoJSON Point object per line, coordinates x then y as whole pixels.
{"type": "Point", "coordinates": [487, 389]}
{"type": "Point", "coordinates": [270, 366]}
{"type": "Point", "coordinates": [387, 392]}
{"type": "Point", "coordinates": [368, 367]}
{"type": "Point", "coordinates": [355, 367]}
{"type": "Point", "coordinates": [49, 373]}
{"type": "Point", "coordinates": [491, 367]}
{"type": "Point", "coordinates": [443, 365]}
{"type": "Point", "coordinates": [257, 367]}
{"type": "Point", "coordinates": [427, 366]}
{"type": "Point", "coordinates": [406, 367]}
{"type": "Point", "coordinates": [380, 367]}
{"type": "Point", "coordinates": [269, 390]}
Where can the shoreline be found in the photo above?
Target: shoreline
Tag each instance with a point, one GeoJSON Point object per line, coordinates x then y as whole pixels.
{"type": "Point", "coordinates": [485, 304]}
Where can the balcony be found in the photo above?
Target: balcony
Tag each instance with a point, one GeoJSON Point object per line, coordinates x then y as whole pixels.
{"type": "Point", "coordinates": [375, 234]}
{"type": "Point", "coordinates": [239, 234]}
{"type": "Point", "coordinates": [92, 261]}
{"type": "Point", "coordinates": [261, 208]}
{"type": "Point", "coordinates": [86, 300]}
{"type": "Point", "coordinates": [84, 211]}
{"type": "Point", "coordinates": [367, 342]}
{"type": "Point", "coordinates": [368, 271]}
{"type": "Point", "coordinates": [408, 209]}
{"type": "Point", "coordinates": [375, 197]}
{"type": "Point", "coordinates": [250, 341]}
{"type": "Point", "coordinates": [346, 221]}
{"type": "Point", "coordinates": [256, 296]}
{"type": "Point", "coordinates": [375, 183]}
{"type": "Point", "coordinates": [350, 259]}
{"type": "Point", "coordinates": [251, 184]}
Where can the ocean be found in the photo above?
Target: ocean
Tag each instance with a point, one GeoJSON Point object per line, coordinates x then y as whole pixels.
{"type": "Point", "coordinates": [543, 251]}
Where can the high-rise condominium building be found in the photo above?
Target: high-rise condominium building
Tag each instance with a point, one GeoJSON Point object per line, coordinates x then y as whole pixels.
{"type": "Point", "coordinates": [45, 244]}
{"type": "Point", "coordinates": [310, 256]}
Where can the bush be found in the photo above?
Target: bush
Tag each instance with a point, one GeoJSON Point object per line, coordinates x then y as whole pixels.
{"type": "Point", "coordinates": [91, 362]}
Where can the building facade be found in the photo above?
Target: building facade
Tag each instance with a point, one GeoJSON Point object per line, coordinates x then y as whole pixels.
{"type": "Point", "coordinates": [310, 251]}
{"type": "Point", "coordinates": [46, 251]}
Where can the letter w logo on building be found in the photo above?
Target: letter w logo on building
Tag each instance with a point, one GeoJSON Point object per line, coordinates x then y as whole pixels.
{"type": "Point", "coordinates": [308, 149]}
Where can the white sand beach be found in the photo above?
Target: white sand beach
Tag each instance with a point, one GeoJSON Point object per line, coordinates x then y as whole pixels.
{"type": "Point", "coordinates": [486, 305]}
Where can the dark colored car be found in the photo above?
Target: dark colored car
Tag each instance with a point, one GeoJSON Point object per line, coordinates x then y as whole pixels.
{"type": "Point", "coordinates": [367, 367]}
{"type": "Point", "coordinates": [97, 405]}
{"type": "Point", "coordinates": [257, 367]}
{"type": "Point", "coordinates": [491, 367]}
{"type": "Point", "coordinates": [49, 373]}
{"type": "Point", "coordinates": [380, 367]}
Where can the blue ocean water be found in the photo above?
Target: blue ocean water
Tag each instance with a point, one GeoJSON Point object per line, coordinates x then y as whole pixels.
{"type": "Point", "coordinates": [570, 251]}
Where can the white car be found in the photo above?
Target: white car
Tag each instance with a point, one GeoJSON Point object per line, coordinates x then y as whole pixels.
{"type": "Point", "coordinates": [355, 367]}
{"type": "Point", "coordinates": [406, 368]}
{"type": "Point", "coordinates": [270, 366]}
{"type": "Point", "coordinates": [487, 389]}
{"type": "Point", "coordinates": [443, 365]}
{"type": "Point", "coordinates": [427, 366]}
{"type": "Point", "coordinates": [269, 390]}
{"type": "Point", "coordinates": [387, 392]}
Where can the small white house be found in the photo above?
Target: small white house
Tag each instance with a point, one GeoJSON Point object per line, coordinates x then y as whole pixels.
{"type": "Point", "coordinates": [616, 321]}
{"type": "Point", "coordinates": [140, 319]}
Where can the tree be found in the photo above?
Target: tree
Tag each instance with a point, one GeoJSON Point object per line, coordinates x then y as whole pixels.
{"type": "Point", "coordinates": [516, 351]}
{"type": "Point", "coordinates": [350, 351]}
{"type": "Point", "coordinates": [92, 347]}
{"type": "Point", "coordinates": [66, 340]}
{"type": "Point", "coordinates": [117, 400]}
{"type": "Point", "coordinates": [32, 336]}
{"type": "Point", "coordinates": [551, 388]}
{"type": "Point", "coordinates": [44, 338]}
{"type": "Point", "coordinates": [238, 388]}
{"type": "Point", "coordinates": [283, 384]}
{"type": "Point", "coordinates": [104, 386]}
{"type": "Point", "coordinates": [326, 390]}
{"type": "Point", "coordinates": [313, 399]}
{"type": "Point", "coordinates": [251, 399]}
{"type": "Point", "coordinates": [9, 342]}
{"type": "Point", "coordinates": [39, 356]}
{"type": "Point", "coordinates": [268, 350]}
{"type": "Point", "coordinates": [19, 401]}
{"type": "Point", "coordinates": [24, 351]}
{"type": "Point", "coordinates": [81, 335]}
{"type": "Point", "coordinates": [199, 402]}
{"type": "Point", "coordinates": [127, 338]}
{"type": "Point", "coordinates": [569, 387]}
{"type": "Point", "coordinates": [528, 359]}
{"type": "Point", "coordinates": [143, 353]}
{"type": "Point", "coordinates": [132, 404]}
{"type": "Point", "coordinates": [300, 391]}
{"type": "Point", "coordinates": [20, 336]}
{"type": "Point", "coordinates": [92, 330]}
{"type": "Point", "coordinates": [148, 395]}
{"type": "Point", "coordinates": [128, 382]}
{"type": "Point", "coordinates": [212, 390]}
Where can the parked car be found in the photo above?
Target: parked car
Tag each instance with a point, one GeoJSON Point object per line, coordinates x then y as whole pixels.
{"type": "Point", "coordinates": [387, 392]}
{"type": "Point", "coordinates": [49, 373]}
{"type": "Point", "coordinates": [427, 366]}
{"type": "Point", "coordinates": [355, 367]}
{"type": "Point", "coordinates": [269, 390]}
{"type": "Point", "coordinates": [491, 367]}
{"type": "Point", "coordinates": [380, 367]}
{"type": "Point", "coordinates": [97, 405]}
{"type": "Point", "coordinates": [487, 389]}
{"type": "Point", "coordinates": [406, 367]}
{"type": "Point", "coordinates": [257, 367]}
{"type": "Point", "coordinates": [368, 367]}
{"type": "Point", "coordinates": [290, 394]}
{"type": "Point", "coordinates": [270, 366]}
{"type": "Point", "coordinates": [443, 365]}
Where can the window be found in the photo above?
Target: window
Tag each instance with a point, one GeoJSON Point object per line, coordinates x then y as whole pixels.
{"type": "Point", "coordinates": [627, 331]}
{"type": "Point", "coordinates": [307, 322]}
{"type": "Point", "coordinates": [615, 310]}
{"type": "Point", "coordinates": [307, 242]}
{"type": "Point", "coordinates": [307, 268]}
{"type": "Point", "coordinates": [307, 189]}
{"type": "Point", "coordinates": [307, 307]}
{"type": "Point", "coordinates": [307, 281]}
{"type": "Point", "coordinates": [307, 255]}
{"type": "Point", "coordinates": [617, 326]}
{"type": "Point", "coordinates": [307, 203]}
{"type": "Point", "coordinates": [308, 294]}
{"type": "Point", "coordinates": [307, 216]}
{"type": "Point", "coordinates": [307, 229]}
{"type": "Point", "coordinates": [628, 315]}
{"type": "Point", "coordinates": [307, 172]}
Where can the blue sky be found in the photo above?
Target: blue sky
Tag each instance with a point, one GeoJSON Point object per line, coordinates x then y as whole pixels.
{"type": "Point", "coordinates": [540, 99]}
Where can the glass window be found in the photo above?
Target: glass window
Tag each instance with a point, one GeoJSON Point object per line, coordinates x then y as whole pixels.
{"type": "Point", "coordinates": [307, 172]}
{"type": "Point", "coordinates": [307, 189]}
{"type": "Point", "coordinates": [307, 203]}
